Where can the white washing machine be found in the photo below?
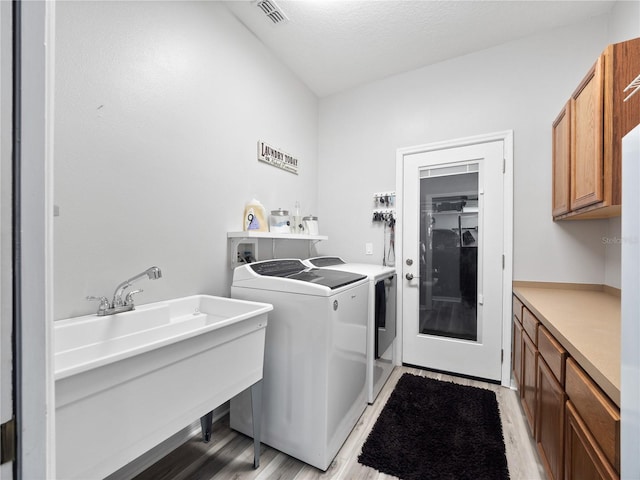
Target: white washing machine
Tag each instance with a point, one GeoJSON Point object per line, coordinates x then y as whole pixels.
{"type": "Point", "coordinates": [381, 325]}
{"type": "Point", "coordinates": [314, 384]}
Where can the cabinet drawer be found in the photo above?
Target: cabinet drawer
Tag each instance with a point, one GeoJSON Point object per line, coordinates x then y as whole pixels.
{"type": "Point", "coordinates": [530, 325]}
{"type": "Point", "coordinates": [553, 353]}
{"type": "Point", "coordinates": [600, 415]}
{"type": "Point", "coordinates": [517, 308]}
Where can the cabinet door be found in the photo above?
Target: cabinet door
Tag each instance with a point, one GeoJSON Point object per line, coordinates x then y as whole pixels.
{"type": "Point", "coordinates": [587, 123]}
{"type": "Point", "coordinates": [561, 161]}
{"type": "Point", "coordinates": [583, 458]}
{"type": "Point", "coordinates": [597, 411]}
{"type": "Point", "coordinates": [516, 350]}
{"type": "Point", "coordinates": [550, 421]}
{"type": "Point", "coordinates": [529, 374]}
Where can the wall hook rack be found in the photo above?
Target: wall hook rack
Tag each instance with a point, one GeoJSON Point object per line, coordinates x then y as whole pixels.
{"type": "Point", "coordinates": [384, 199]}
{"type": "Point", "coordinates": [383, 207]}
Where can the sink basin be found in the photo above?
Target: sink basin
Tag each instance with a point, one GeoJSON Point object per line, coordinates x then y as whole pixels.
{"type": "Point", "coordinates": [80, 332]}
{"type": "Point", "coordinates": [87, 342]}
{"type": "Point", "coordinates": [139, 377]}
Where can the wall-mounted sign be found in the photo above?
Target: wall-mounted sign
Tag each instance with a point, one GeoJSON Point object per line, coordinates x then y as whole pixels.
{"type": "Point", "coordinates": [277, 158]}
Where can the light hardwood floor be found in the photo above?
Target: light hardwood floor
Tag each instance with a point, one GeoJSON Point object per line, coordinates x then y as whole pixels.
{"type": "Point", "coordinates": [229, 455]}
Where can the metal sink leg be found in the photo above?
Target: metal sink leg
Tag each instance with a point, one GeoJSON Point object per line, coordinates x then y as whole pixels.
{"type": "Point", "coordinates": [206, 423]}
{"type": "Point", "coordinates": [256, 413]}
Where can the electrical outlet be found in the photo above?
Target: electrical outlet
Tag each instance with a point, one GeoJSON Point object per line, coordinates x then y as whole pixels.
{"type": "Point", "coordinates": [368, 248]}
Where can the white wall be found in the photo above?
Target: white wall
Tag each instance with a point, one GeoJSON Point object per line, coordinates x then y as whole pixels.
{"type": "Point", "coordinates": [522, 86]}
{"type": "Point", "coordinates": [624, 21]}
{"type": "Point", "coordinates": [612, 243]}
{"type": "Point", "coordinates": [159, 107]}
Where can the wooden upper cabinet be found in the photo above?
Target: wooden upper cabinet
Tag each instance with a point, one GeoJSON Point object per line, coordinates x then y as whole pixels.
{"type": "Point", "coordinates": [595, 120]}
{"type": "Point", "coordinates": [562, 161]}
{"type": "Point", "coordinates": [622, 67]}
{"type": "Point", "coordinates": [587, 129]}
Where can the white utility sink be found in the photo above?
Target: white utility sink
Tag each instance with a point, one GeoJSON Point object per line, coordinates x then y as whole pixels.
{"type": "Point", "coordinates": [126, 382]}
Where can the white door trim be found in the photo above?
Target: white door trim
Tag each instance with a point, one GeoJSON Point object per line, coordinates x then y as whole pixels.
{"type": "Point", "coordinates": [36, 454]}
{"type": "Point", "coordinates": [507, 274]}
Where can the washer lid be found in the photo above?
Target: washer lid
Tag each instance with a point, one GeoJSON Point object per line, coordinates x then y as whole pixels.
{"type": "Point", "coordinates": [277, 268]}
{"type": "Point", "coordinates": [296, 270]}
{"type": "Point", "coordinates": [329, 278]}
{"type": "Point", "coordinates": [372, 271]}
{"type": "Point", "coordinates": [325, 261]}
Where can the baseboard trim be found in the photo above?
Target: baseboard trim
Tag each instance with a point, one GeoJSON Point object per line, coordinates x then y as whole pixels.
{"type": "Point", "coordinates": [570, 286]}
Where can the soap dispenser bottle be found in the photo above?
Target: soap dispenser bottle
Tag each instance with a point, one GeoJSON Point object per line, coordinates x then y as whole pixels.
{"type": "Point", "coordinates": [296, 224]}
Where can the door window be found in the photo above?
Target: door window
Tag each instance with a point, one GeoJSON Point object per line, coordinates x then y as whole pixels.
{"type": "Point", "coordinates": [449, 256]}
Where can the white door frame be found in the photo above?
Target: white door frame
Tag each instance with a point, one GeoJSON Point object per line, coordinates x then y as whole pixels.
{"type": "Point", "coordinates": [36, 420]}
{"type": "Point", "coordinates": [507, 273]}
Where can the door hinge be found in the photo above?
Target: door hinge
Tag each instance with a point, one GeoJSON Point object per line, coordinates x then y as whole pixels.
{"type": "Point", "coordinates": [504, 165]}
{"type": "Point", "coordinates": [501, 356]}
{"type": "Point", "coordinates": [8, 441]}
{"type": "Point", "coordinates": [503, 261]}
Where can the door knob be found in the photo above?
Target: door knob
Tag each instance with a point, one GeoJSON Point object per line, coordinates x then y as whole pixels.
{"type": "Point", "coordinates": [410, 276]}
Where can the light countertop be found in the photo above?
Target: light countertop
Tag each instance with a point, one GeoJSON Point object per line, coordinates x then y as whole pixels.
{"type": "Point", "coordinates": [585, 319]}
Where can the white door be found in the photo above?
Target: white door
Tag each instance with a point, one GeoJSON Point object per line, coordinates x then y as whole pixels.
{"type": "Point", "coordinates": [452, 259]}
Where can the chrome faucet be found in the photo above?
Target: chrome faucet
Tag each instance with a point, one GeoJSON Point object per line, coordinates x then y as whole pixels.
{"type": "Point", "coordinates": [118, 305]}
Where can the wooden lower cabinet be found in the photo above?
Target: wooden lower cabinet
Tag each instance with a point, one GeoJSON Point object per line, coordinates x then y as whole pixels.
{"type": "Point", "coordinates": [529, 375]}
{"type": "Point", "coordinates": [575, 425]}
{"type": "Point", "coordinates": [583, 458]}
{"type": "Point", "coordinates": [550, 421]}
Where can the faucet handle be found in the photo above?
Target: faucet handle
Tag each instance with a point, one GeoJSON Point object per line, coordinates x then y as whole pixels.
{"type": "Point", "coordinates": [104, 302]}
{"type": "Point", "coordinates": [128, 300]}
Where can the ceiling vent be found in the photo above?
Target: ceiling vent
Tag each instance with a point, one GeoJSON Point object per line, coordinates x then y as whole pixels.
{"type": "Point", "coordinates": [273, 11]}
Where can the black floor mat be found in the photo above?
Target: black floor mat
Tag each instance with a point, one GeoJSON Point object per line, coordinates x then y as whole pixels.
{"type": "Point", "coordinates": [437, 430]}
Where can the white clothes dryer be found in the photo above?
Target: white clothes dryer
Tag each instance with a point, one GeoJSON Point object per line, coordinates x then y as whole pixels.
{"type": "Point", "coordinates": [381, 323]}
{"type": "Point", "coordinates": [314, 382]}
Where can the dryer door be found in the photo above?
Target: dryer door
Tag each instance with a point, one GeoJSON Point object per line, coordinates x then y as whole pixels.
{"type": "Point", "coordinates": [385, 314]}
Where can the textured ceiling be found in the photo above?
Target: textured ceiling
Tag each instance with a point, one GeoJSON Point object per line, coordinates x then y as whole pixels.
{"type": "Point", "coordinates": [333, 45]}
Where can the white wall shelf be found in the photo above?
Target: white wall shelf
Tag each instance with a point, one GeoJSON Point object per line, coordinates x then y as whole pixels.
{"type": "Point", "coordinates": [276, 236]}
{"type": "Point", "coordinates": [250, 241]}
